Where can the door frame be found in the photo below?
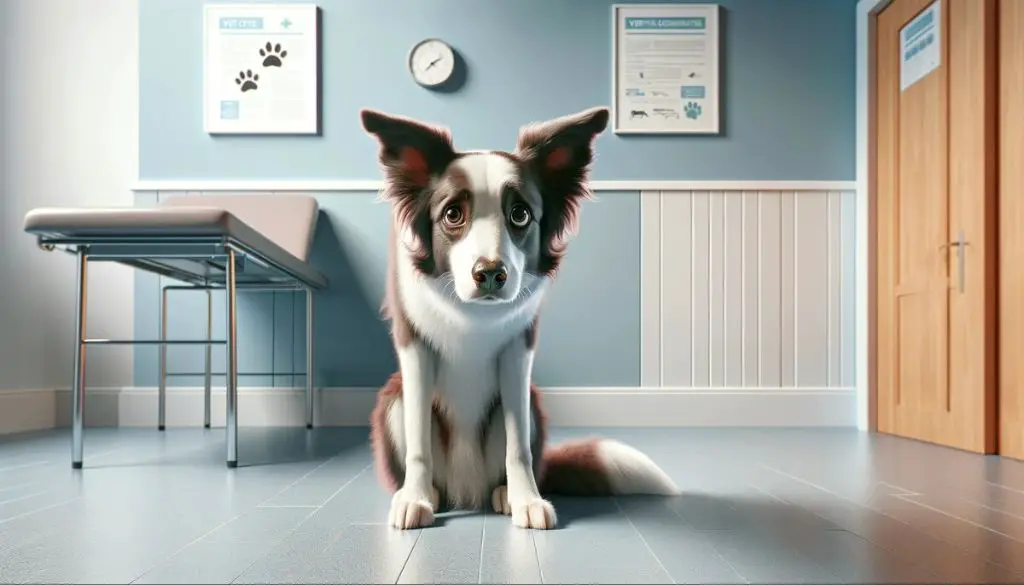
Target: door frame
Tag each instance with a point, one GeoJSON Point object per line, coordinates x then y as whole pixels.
{"type": "Point", "coordinates": [866, 388]}
{"type": "Point", "coordinates": [866, 306]}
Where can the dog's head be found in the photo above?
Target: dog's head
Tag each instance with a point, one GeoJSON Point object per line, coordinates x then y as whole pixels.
{"type": "Point", "coordinates": [490, 221]}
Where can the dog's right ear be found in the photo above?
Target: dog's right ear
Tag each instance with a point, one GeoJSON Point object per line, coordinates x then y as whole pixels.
{"type": "Point", "coordinates": [411, 152]}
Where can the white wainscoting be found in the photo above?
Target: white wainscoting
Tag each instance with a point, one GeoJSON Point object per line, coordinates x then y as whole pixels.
{"type": "Point", "coordinates": [747, 316]}
{"type": "Point", "coordinates": [748, 291]}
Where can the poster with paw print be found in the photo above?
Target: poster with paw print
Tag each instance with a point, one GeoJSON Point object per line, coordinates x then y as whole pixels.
{"type": "Point", "coordinates": [262, 69]}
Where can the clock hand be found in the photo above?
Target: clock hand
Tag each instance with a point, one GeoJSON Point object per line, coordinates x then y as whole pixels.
{"type": "Point", "coordinates": [432, 63]}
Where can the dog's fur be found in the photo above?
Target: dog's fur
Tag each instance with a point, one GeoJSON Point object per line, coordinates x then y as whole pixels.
{"type": "Point", "coordinates": [476, 239]}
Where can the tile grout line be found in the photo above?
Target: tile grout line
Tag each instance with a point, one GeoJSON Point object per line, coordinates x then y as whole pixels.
{"type": "Point", "coordinates": [909, 560]}
{"type": "Point", "coordinates": [536, 555]}
{"type": "Point", "coordinates": [405, 563]}
{"type": "Point", "coordinates": [711, 545]}
{"type": "Point", "coordinates": [956, 547]}
{"type": "Point", "coordinates": [295, 482]}
{"type": "Point", "coordinates": [480, 561]}
{"type": "Point", "coordinates": [312, 513]}
{"type": "Point", "coordinates": [643, 540]}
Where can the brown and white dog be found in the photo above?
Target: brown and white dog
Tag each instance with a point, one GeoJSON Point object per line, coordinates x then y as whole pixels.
{"type": "Point", "coordinates": [476, 239]}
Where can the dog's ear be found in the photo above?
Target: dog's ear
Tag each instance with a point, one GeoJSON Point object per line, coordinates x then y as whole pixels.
{"type": "Point", "coordinates": [557, 155]}
{"type": "Point", "coordinates": [411, 152]}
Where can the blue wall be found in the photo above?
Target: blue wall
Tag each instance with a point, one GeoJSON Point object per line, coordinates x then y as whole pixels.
{"type": "Point", "coordinates": [788, 114]}
{"type": "Point", "coordinates": [788, 89]}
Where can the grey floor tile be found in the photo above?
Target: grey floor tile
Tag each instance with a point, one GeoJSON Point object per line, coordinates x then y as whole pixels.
{"type": "Point", "coordinates": [448, 552]}
{"type": "Point", "coordinates": [949, 562]}
{"type": "Point", "coordinates": [976, 539]}
{"type": "Point", "coordinates": [225, 552]}
{"type": "Point", "coordinates": [597, 544]}
{"type": "Point", "coordinates": [686, 553]}
{"type": "Point", "coordinates": [349, 554]}
{"type": "Point", "coordinates": [762, 558]}
{"type": "Point", "coordinates": [206, 562]}
{"type": "Point", "coordinates": [507, 554]}
{"type": "Point", "coordinates": [855, 560]}
{"type": "Point", "coordinates": [320, 484]}
{"type": "Point", "coordinates": [85, 558]}
{"type": "Point", "coordinates": [759, 505]}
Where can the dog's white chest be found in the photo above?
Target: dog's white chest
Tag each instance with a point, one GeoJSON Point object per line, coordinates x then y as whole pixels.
{"type": "Point", "coordinates": [468, 387]}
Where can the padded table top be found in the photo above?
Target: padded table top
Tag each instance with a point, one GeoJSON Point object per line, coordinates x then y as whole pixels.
{"type": "Point", "coordinates": [192, 216]}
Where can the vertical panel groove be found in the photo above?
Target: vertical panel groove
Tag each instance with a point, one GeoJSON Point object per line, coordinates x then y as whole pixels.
{"type": "Point", "coordinates": [661, 288]}
{"type": "Point", "coordinates": [693, 257]}
{"type": "Point", "coordinates": [760, 297]}
{"type": "Point", "coordinates": [828, 286]}
{"type": "Point", "coordinates": [724, 337]}
{"type": "Point", "coordinates": [794, 286]}
{"type": "Point", "coordinates": [710, 291]}
{"type": "Point", "coordinates": [743, 288]}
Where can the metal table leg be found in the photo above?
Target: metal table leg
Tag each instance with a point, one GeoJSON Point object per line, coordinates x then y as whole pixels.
{"type": "Point", "coordinates": [231, 371]}
{"type": "Point", "coordinates": [208, 379]}
{"type": "Point", "coordinates": [309, 358]}
{"type": "Point", "coordinates": [78, 386]}
{"type": "Point", "coordinates": [161, 393]}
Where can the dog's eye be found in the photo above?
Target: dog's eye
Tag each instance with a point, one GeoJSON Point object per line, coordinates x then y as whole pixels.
{"type": "Point", "coordinates": [520, 216]}
{"type": "Point", "coordinates": [453, 216]}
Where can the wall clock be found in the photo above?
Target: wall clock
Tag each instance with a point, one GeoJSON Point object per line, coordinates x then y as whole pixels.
{"type": "Point", "coordinates": [431, 62]}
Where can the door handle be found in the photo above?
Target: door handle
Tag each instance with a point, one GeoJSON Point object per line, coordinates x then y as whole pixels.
{"type": "Point", "coordinates": [961, 273]}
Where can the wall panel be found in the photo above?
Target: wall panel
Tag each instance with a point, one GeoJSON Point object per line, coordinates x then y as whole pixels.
{"type": "Point", "coordinates": [752, 292]}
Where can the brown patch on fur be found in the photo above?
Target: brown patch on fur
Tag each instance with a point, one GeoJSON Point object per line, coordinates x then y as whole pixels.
{"type": "Point", "coordinates": [574, 468]}
{"type": "Point", "coordinates": [530, 336]}
{"type": "Point", "coordinates": [540, 427]}
{"type": "Point", "coordinates": [390, 470]}
{"type": "Point", "coordinates": [402, 331]}
{"type": "Point", "coordinates": [411, 155]}
{"type": "Point", "coordinates": [557, 156]}
{"type": "Point", "coordinates": [444, 429]}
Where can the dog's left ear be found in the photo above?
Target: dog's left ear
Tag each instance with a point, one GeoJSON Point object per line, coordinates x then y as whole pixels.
{"type": "Point", "coordinates": [560, 150]}
{"type": "Point", "coordinates": [557, 155]}
{"type": "Point", "coordinates": [411, 152]}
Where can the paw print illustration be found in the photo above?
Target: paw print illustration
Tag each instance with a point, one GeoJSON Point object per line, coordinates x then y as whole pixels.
{"type": "Point", "coordinates": [272, 55]}
{"type": "Point", "coordinates": [692, 110]}
{"type": "Point", "coordinates": [248, 80]}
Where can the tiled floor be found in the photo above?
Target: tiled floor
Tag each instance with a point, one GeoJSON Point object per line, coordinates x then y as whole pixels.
{"type": "Point", "coordinates": [760, 506]}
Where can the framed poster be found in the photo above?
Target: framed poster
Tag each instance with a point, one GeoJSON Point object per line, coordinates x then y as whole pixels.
{"type": "Point", "coordinates": [665, 69]}
{"type": "Point", "coordinates": [261, 69]}
{"type": "Point", "coordinates": [921, 46]}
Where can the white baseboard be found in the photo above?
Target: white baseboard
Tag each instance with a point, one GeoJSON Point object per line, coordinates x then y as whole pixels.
{"type": "Point", "coordinates": [566, 407]}
{"type": "Point", "coordinates": [27, 410]}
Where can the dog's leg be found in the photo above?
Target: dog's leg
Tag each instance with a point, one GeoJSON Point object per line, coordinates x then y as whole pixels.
{"type": "Point", "coordinates": [391, 461]}
{"type": "Point", "coordinates": [412, 505]}
{"type": "Point", "coordinates": [528, 508]}
{"type": "Point", "coordinates": [494, 456]}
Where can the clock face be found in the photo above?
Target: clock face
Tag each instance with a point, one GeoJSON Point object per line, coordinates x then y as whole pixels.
{"type": "Point", "coordinates": [431, 62]}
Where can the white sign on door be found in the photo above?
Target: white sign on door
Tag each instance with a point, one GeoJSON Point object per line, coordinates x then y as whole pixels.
{"type": "Point", "coordinates": [920, 46]}
{"type": "Point", "coordinates": [261, 69]}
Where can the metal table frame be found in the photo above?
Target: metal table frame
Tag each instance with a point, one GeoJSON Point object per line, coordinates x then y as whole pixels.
{"type": "Point", "coordinates": [203, 263]}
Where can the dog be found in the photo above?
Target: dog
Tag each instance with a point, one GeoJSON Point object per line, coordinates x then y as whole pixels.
{"type": "Point", "coordinates": [475, 241]}
{"type": "Point", "coordinates": [638, 114]}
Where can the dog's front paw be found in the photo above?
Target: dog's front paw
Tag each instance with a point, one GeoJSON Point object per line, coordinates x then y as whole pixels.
{"type": "Point", "coordinates": [410, 509]}
{"type": "Point", "coordinates": [499, 500]}
{"type": "Point", "coordinates": [534, 512]}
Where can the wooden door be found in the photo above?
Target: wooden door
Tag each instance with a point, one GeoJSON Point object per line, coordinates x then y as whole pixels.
{"type": "Point", "coordinates": [1011, 228]}
{"type": "Point", "coordinates": [935, 202]}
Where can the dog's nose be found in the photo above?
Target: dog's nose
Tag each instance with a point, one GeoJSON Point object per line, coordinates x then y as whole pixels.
{"type": "Point", "coordinates": [489, 275]}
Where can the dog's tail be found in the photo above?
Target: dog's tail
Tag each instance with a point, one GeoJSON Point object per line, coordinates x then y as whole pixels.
{"type": "Point", "coordinates": [601, 467]}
